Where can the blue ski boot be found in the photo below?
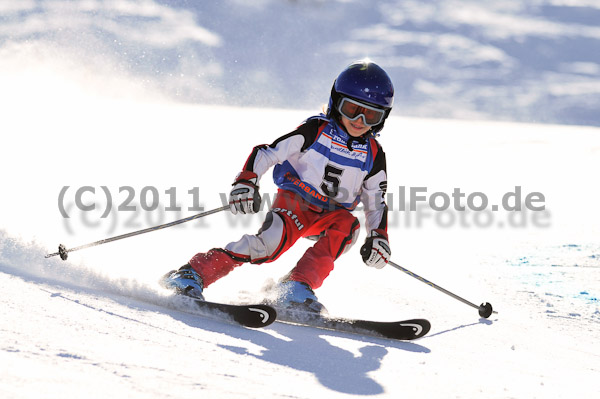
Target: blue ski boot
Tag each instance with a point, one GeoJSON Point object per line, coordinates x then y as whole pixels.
{"type": "Point", "coordinates": [185, 281]}
{"type": "Point", "coordinates": [298, 296]}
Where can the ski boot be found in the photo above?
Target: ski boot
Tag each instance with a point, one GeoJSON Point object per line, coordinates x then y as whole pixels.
{"type": "Point", "coordinates": [295, 295]}
{"type": "Point", "coordinates": [185, 281]}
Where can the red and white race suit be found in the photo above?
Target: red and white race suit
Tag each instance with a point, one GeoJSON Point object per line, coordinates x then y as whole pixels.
{"type": "Point", "coordinates": [322, 174]}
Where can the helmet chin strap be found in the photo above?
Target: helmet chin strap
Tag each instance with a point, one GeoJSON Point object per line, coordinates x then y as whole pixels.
{"type": "Point", "coordinates": [349, 143]}
{"type": "Point", "coordinates": [360, 140]}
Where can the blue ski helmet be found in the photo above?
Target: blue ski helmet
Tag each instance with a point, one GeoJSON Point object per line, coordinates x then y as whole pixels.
{"type": "Point", "coordinates": [365, 82]}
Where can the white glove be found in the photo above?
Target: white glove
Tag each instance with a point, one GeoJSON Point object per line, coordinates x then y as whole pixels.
{"type": "Point", "coordinates": [244, 196]}
{"type": "Point", "coordinates": [376, 250]}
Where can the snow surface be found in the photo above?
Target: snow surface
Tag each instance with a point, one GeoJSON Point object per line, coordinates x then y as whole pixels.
{"type": "Point", "coordinates": [98, 325]}
{"type": "Point", "coordinates": [531, 61]}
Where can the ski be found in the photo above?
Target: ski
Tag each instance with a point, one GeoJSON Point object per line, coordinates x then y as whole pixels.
{"type": "Point", "coordinates": [397, 330]}
{"type": "Point", "coordinates": [253, 316]}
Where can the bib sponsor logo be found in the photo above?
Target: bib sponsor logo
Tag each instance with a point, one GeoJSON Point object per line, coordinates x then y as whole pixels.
{"type": "Point", "coordinates": [307, 189]}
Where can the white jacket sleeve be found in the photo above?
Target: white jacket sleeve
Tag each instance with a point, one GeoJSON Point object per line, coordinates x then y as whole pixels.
{"type": "Point", "coordinates": [373, 195]}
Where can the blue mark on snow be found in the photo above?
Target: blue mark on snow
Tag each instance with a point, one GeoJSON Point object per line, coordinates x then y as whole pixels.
{"type": "Point", "coordinates": [586, 295]}
{"type": "Point", "coordinates": [70, 356]}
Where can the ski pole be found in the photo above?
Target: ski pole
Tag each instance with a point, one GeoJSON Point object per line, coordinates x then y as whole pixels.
{"type": "Point", "coordinates": [485, 309]}
{"type": "Point", "coordinates": [64, 252]}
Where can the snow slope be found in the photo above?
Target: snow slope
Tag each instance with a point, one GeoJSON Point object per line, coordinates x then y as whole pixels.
{"type": "Point", "coordinates": [77, 116]}
{"type": "Point", "coordinates": [531, 61]}
{"type": "Point", "coordinates": [97, 324]}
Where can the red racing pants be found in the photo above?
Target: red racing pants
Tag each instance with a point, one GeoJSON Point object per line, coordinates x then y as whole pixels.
{"type": "Point", "coordinates": [289, 219]}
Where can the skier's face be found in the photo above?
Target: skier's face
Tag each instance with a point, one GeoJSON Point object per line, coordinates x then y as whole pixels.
{"type": "Point", "coordinates": [354, 128]}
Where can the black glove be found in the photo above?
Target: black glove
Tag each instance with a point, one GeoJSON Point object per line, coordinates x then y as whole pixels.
{"type": "Point", "coordinates": [376, 250]}
{"type": "Point", "coordinates": [244, 196]}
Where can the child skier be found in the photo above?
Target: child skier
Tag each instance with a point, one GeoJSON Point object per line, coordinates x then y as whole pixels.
{"type": "Point", "coordinates": [323, 170]}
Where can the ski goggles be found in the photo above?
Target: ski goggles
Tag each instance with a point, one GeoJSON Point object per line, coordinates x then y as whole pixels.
{"type": "Point", "coordinates": [353, 110]}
